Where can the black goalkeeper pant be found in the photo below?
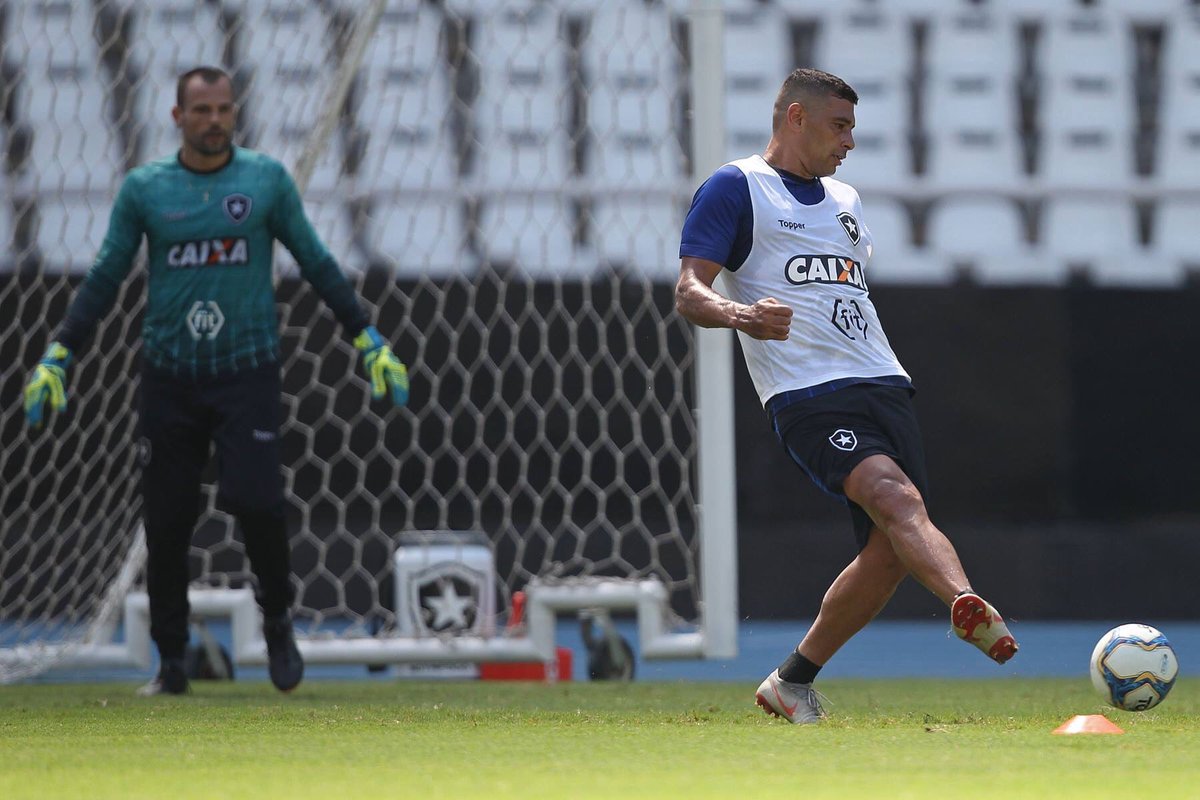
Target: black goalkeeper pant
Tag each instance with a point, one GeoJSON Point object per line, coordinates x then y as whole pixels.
{"type": "Point", "coordinates": [180, 420]}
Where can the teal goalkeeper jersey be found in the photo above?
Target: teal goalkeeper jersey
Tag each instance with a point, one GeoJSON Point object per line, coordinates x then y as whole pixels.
{"type": "Point", "coordinates": [211, 302]}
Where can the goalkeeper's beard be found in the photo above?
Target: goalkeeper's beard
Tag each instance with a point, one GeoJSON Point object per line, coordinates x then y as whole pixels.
{"type": "Point", "coordinates": [211, 143]}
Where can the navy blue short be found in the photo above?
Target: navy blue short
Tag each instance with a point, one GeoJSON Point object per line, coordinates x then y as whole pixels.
{"type": "Point", "coordinates": [239, 413]}
{"type": "Point", "coordinates": [829, 435]}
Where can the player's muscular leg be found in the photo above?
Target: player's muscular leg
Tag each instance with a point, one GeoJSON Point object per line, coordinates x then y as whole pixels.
{"type": "Point", "coordinates": [897, 508]}
{"type": "Point", "coordinates": [856, 596]}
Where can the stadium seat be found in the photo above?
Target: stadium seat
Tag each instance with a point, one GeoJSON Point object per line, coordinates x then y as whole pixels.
{"type": "Point", "coordinates": [184, 35]}
{"type": "Point", "coordinates": [520, 115]}
{"type": "Point", "coordinates": [1145, 11]}
{"type": "Point", "coordinates": [535, 235]}
{"type": "Point", "coordinates": [415, 237]}
{"type": "Point", "coordinates": [524, 155]}
{"type": "Point", "coordinates": [331, 219]}
{"type": "Point", "coordinates": [1039, 11]}
{"type": "Point", "coordinates": [38, 32]}
{"type": "Point", "coordinates": [1177, 156]}
{"type": "Point", "coordinates": [281, 31]}
{"type": "Point", "coordinates": [1173, 237]}
{"type": "Point", "coordinates": [895, 259]}
{"type": "Point", "coordinates": [70, 232]}
{"type": "Point", "coordinates": [882, 155]}
{"type": "Point", "coordinates": [971, 104]}
{"type": "Point", "coordinates": [973, 40]}
{"type": "Point", "coordinates": [863, 41]}
{"type": "Point", "coordinates": [75, 147]}
{"type": "Point", "coordinates": [1087, 106]}
{"type": "Point", "coordinates": [971, 120]}
{"type": "Point", "coordinates": [632, 94]}
{"type": "Point", "coordinates": [987, 236]}
{"type": "Point", "coordinates": [928, 10]}
{"type": "Point", "coordinates": [404, 105]}
{"type": "Point", "coordinates": [758, 56]}
{"type": "Point", "coordinates": [287, 46]}
{"type": "Point", "coordinates": [639, 235]}
{"type": "Point", "coordinates": [873, 52]}
{"type": "Point", "coordinates": [1101, 234]}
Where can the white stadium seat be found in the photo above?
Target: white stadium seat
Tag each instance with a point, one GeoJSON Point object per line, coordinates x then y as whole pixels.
{"type": "Point", "coordinates": [970, 110]}
{"type": "Point", "coordinates": [1145, 11]}
{"type": "Point", "coordinates": [1173, 237]}
{"type": "Point", "coordinates": [1040, 11]}
{"type": "Point", "coordinates": [404, 105]}
{"type": "Point", "coordinates": [523, 158]}
{"type": "Point", "coordinates": [520, 115]}
{"type": "Point", "coordinates": [974, 142]}
{"type": "Point", "coordinates": [640, 235]}
{"type": "Point", "coordinates": [38, 32]}
{"type": "Point", "coordinates": [1101, 234]}
{"type": "Point", "coordinates": [287, 47]}
{"type": "Point", "coordinates": [1177, 156]}
{"type": "Point", "coordinates": [70, 233]}
{"type": "Point", "coordinates": [632, 94]}
{"type": "Point", "coordinates": [987, 235]}
{"type": "Point", "coordinates": [873, 52]}
{"type": "Point", "coordinates": [972, 40]}
{"type": "Point", "coordinates": [75, 146]}
{"type": "Point", "coordinates": [192, 37]}
{"type": "Point", "coordinates": [863, 41]}
{"type": "Point", "coordinates": [280, 31]}
{"type": "Point", "coordinates": [417, 237]}
{"type": "Point", "coordinates": [894, 257]}
{"type": "Point", "coordinates": [536, 235]}
{"type": "Point", "coordinates": [758, 57]}
{"type": "Point", "coordinates": [1087, 111]}
{"type": "Point", "coordinates": [882, 155]}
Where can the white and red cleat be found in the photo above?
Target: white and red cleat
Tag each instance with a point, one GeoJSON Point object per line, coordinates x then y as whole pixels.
{"type": "Point", "coordinates": [798, 703]}
{"type": "Point", "coordinates": [975, 620]}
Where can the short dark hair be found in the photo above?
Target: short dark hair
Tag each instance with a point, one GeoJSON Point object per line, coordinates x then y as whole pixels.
{"type": "Point", "coordinates": [810, 82]}
{"type": "Point", "coordinates": [209, 75]}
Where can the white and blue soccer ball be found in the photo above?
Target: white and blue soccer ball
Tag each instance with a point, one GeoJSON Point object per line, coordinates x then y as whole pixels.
{"type": "Point", "coordinates": [1133, 667]}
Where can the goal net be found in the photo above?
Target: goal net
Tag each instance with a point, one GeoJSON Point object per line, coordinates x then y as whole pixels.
{"type": "Point", "coordinates": [504, 184]}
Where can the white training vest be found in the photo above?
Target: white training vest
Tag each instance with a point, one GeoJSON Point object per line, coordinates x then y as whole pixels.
{"type": "Point", "coordinates": [813, 259]}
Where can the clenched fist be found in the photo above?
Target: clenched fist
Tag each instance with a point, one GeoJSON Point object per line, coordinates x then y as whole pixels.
{"type": "Point", "coordinates": [766, 319]}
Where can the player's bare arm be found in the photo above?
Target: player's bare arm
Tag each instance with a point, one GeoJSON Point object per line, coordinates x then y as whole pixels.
{"type": "Point", "coordinates": [699, 303]}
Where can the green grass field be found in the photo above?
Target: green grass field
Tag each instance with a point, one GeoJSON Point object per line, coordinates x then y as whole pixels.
{"type": "Point", "coordinates": [885, 739]}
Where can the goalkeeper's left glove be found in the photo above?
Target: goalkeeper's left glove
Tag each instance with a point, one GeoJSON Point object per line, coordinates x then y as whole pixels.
{"type": "Point", "coordinates": [383, 368]}
{"type": "Point", "coordinates": [48, 382]}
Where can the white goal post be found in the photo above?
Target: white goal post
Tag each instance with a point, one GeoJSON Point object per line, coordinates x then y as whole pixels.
{"type": "Point", "coordinates": [504, 183]}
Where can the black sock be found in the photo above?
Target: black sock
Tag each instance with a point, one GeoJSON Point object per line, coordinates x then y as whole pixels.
{"type": "Point", "coordinates": [798, 669]}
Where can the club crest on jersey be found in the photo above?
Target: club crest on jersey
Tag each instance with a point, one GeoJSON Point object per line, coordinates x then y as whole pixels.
{"type": "Point", "coordinates": [237, 207]}
{"type": "Point", "coordinates": [850, 225]}
{"type": "Point", "coordinates": [843, 439]}
{"type": "Point", "coordinates": [804, 269]}
{"type": "Point", "coordinates": [233, 252]}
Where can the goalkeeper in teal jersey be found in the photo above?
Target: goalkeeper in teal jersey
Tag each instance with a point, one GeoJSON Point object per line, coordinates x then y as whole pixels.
{"type": "Point", "coordinates": [210, 355]}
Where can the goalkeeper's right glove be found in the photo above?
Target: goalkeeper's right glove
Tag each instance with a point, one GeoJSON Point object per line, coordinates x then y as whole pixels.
{"type": "Point", "coordinates": [48, 381]}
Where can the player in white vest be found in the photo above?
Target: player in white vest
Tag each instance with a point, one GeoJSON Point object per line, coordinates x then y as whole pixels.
{"type": "Point", "coordinates": [793, 248]}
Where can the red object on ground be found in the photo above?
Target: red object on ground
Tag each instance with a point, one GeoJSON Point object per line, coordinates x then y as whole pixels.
{"type": "Point", "coordinates": [559, 669]}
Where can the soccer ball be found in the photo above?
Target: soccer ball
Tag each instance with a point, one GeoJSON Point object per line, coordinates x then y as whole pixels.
{"type": "Point", "coordinates": [1133, 667]}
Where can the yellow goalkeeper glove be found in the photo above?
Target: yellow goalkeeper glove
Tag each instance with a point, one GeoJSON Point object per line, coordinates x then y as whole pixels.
{"type": "Point", "coordinates": [384, 370]}
{"type": "Point", "coordinates": [48, 382]}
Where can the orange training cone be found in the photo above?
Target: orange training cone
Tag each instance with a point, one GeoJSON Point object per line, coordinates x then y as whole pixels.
{"type": "Point", "coordinates": [1088, 723]}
